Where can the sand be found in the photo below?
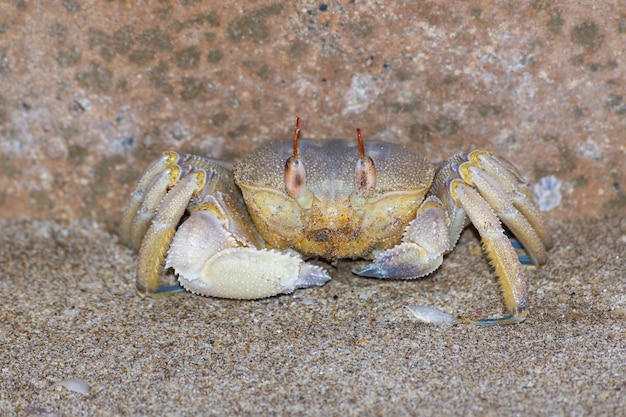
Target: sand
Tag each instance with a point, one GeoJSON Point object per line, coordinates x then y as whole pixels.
{"type": "Point", "coordinates": [69, 316]}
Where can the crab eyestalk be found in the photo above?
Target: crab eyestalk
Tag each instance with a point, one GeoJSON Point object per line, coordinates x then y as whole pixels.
{"type": "Point", "coordinates": [365, 171]}
{"type": "Point", "coordinates": [295, 173]}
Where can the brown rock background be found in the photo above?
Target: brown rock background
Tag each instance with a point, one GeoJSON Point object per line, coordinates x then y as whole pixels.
{"type": "Point", "coordinates": [91, 91]}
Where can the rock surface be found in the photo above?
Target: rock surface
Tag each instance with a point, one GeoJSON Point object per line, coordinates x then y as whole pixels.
{"type": "Point", "coordinates": [92, 91]}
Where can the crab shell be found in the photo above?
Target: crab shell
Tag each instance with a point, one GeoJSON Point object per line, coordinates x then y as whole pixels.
{"type": "Point", "coordinates": [335, 220]}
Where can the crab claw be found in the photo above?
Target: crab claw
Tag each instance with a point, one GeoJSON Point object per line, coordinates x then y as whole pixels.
{"type": "Point", "coordinates": [208, 261]}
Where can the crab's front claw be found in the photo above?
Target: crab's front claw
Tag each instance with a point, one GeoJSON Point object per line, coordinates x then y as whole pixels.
{"type": "Point", "coordinates": [248, 273]}
{"type": "Point", "coordinates": [407, 260]}
{"type": "Point", "coordinates": [208, 261]}
{"type": "Point", "coordinates": [417, 255]}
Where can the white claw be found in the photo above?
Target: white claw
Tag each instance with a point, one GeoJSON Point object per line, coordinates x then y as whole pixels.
{"type": "Point", "coordinates": [210, 262]}
{"type": "Point", "coordinates": [431, 315]}
{"type": "Point", "coordinates": [248, 273]}
{"type": "Point", "coordinates": [311, 275]}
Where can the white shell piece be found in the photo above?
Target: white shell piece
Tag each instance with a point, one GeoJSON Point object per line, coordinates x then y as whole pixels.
{"type": "Point", "coordinates": [431, 315]}
{"type": "Point", "coordinates": [75, 384]}
{"type": "Point", "coordinates": [547, 193]}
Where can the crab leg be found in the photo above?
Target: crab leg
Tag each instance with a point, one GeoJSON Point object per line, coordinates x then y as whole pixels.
{"type": "Point", "coordinates": [501, 202]}
{"type": "Point", "coordinates": [499, 250]}
{"type": "Point", "coordinates": [138, 195]}
{"type": "Point", "coordinates": [148, 209]}
{"type": "Point", "coordinates": [145, 200]}
{"type": "Point", "coordinates": [159, 235]}
{"type": "Point", "coordinates": [512, 188]}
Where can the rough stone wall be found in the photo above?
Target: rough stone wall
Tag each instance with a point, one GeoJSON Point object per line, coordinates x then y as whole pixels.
{"type": "Point", "coordinates": [92, 90]}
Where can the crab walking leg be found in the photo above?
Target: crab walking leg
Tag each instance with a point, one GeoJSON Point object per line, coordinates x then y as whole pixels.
{"type": "Point", "coordinates": [148, 209]}
{"type": "Point", "coordinates": [148, 194]}
{"type": "Point", "coordinates": [499, 250]}
{"type": "Point", "coordinates": [210, 261]}
{"type": "Point", "coordinates": [421, 251]}
{"type": "Point", "coordinates": [158, 237]}
{"type": "Point", "coordinates": [501, 202]}
{"type": "Point", "coordinates": [516, 187]}
{"type": "Point", "coordinates": [138, 195]}
{"type": "Point", "coordinates": [523, 200]}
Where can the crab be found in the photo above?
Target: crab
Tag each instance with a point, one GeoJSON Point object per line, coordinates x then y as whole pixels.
{"type": "Point", "coordinates": [250, 232]}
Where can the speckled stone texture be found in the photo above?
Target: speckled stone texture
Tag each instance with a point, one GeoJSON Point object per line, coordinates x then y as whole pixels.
{"type": "Point", "coordinates": [93, 90]}
{"type": "Point", "coordinates": [69, 310]}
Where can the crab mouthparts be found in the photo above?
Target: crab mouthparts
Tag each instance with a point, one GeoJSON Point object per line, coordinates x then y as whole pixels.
{"type": "Point", "coordinates": [331, 244]}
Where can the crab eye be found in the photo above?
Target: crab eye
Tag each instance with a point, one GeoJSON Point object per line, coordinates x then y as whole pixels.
{"type": "Point", "coordinates": [365, 171]}
{"type": "Point", "coordinates": [295, 174]}
{"type": "Point", "coordinates": [295, 177]}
